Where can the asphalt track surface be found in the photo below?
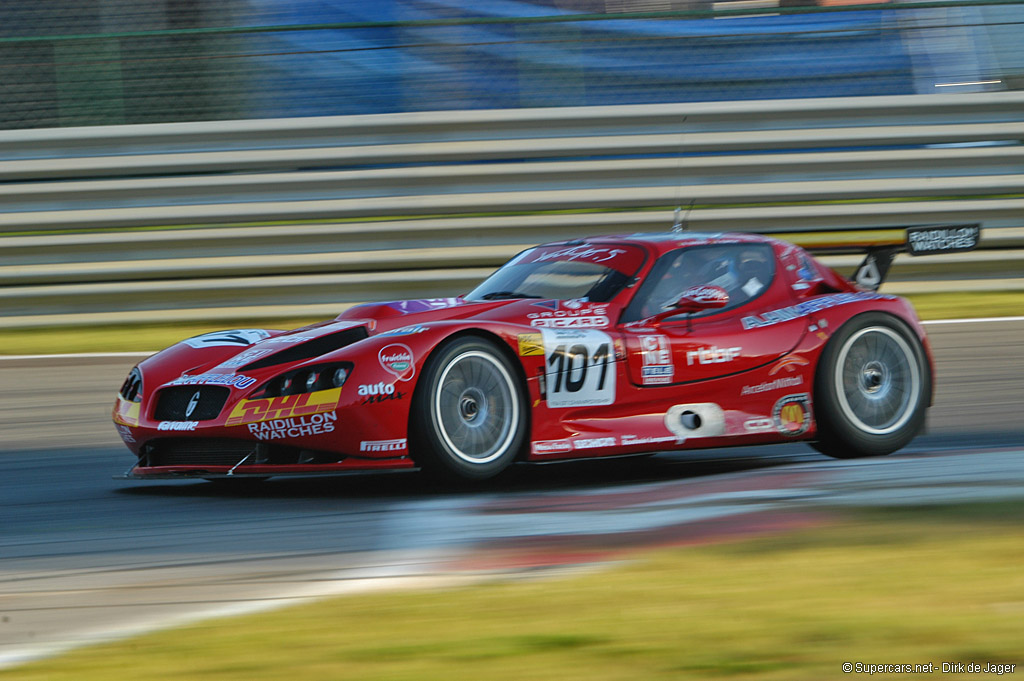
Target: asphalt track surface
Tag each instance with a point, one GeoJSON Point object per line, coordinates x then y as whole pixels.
{"type": "Point", "coordinates": [85, 557]}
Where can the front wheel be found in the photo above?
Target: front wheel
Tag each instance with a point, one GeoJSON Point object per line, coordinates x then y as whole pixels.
{"type": "Point", "coordinates": [872, 388]}
{"type": "Point", "coordinates": [469, 412]}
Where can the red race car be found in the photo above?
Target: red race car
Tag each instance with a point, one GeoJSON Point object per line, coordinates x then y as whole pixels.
{"type": "Point", "coordinates": [597, 347]}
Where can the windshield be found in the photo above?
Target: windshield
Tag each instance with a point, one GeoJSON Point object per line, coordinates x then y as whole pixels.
{"type": "Point", "coordinates": [589, 271]}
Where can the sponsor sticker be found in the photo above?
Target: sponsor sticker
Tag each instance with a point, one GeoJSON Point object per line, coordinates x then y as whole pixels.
{"type": "Point", "coordinates": [580, 367]}
{"type": "Point", "coordinates": [221, 338]}
{"type": "Point", "coordinates": [706, 294]}
{"type": "Point", "coordinates": [712, 355]}
{"type": "Point", "coordinates": [635, 440]}
{"type": "Point", "coordinates": [758, 425]}
{"type": "Point", "coordinates": [245, 358]}
{"type": "Point", "coordinates": [792, 414]}
{"type": "Point", "coordinates": [239, 381]}
{"type": "Point", "coordinates": [126, 413]}
{"type": "Point", "coordinates": [405, 331]}
{"type": "Point", "coordinates": [788, 363]}
{"type": "Point", "coordinates": [777, 384]}
{"type": "Point", "coordinates": [656, 354]}
{"type": "Point", "coordinates": [948, 239]}
{"type": "Point", "coordinates": [397, 445]}
{"type": "Point", "coordinates": [397, 359]}
{"type": "Point", "coordinates": [284, 407]}
{"type": "Point", "coordinates": [425, 304]}
{"type": "Point", "coordinates": [552, 447]}
{"type": "Point", "coordinates": [803, 309]}
{"type": "Point", "coordinates": [303, 426]}
{"type": "Point", "coordinates": [594, 443]}
{"type": "Point", "coordinates": [530, 344]}
{"type": "Point", "coordinates": [126, 433]}
{"type": "Point", "coordinates": [580, 315]}
{"type": "Point", "coordinates": [177, 425]}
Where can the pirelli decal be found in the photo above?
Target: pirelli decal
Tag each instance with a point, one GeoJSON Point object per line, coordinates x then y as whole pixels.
{"type": "Point", "coordinates": [284, 407]}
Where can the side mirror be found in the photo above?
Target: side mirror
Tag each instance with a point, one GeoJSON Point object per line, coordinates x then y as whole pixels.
{"type": "Point", "coordinates": [695, 299]}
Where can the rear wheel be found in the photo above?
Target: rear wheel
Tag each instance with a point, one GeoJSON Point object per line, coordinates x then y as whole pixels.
{"type": "Point", "coordinates": [469, 412]}
{"type": "Point", "coordinates": [872, 388]}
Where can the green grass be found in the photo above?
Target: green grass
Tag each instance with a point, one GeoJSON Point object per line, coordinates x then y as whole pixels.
{"type": "Point", "coordinates": [885, 586]}
{"type": "Point", "coordinates": [130, 338]}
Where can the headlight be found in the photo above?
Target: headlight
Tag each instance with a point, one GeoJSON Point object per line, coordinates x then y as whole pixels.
{"type": "Point", "coordinates": [307, 380]}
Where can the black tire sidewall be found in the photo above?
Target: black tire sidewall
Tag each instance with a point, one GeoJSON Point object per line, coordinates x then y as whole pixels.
{"type": "Point", "coordinates": [427, 445]}
{"type": "Point", "coordinates": [837, 436]}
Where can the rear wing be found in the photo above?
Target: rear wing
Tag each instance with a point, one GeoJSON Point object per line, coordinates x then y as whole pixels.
{"type": "Point", "coordinates": [880, 246]}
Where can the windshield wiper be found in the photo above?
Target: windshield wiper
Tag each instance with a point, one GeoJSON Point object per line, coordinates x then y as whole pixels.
{"type": "Point", "coordinates": [495, 295]}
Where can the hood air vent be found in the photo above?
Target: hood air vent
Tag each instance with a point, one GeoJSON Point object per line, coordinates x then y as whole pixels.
{"type": "Point", "coordinates": [310, 349]}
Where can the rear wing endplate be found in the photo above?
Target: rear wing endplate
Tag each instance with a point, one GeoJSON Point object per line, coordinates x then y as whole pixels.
{"type": "Point", "coordinates": [881, 246]}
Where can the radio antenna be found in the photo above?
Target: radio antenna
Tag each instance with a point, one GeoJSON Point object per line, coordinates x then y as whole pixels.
{"type": "Point", "coordinates": [680, 220]}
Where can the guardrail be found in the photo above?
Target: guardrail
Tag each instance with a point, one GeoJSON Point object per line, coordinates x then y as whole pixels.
{"type": "Point", "coordinates": [305, 216]}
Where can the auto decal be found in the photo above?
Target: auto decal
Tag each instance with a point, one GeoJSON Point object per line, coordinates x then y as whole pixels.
{"type": "Point", "coordinates": [792, 414]}
{"type": "Point", "coordinates": [397, 359]}
{"type": "Point", "coordinates": [284, 407]}
{"type": "Point", "coordinates": [580, 367]}
{"type": "Point", "coordinates": [552, 447]}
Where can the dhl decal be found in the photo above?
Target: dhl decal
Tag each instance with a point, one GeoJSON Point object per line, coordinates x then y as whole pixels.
{"type": "Point", "coordinates": [284, 407]}
{"type": "Point", "coordinates": [126, 413]}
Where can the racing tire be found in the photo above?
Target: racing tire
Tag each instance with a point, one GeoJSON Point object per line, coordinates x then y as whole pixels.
{"type": "Point", "coordinates": [469, 412]}
{"type": "Point", "coordinates": [872, 388]}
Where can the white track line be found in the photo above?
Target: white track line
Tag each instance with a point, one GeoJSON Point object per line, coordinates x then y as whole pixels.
{"type": "Point", "coordinates": [976, 320]}
{"type": "Point", "coordinates": [81, 355]}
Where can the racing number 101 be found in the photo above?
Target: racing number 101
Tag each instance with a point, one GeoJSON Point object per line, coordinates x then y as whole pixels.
{"type": "Point", "coordinates": [565, 364]}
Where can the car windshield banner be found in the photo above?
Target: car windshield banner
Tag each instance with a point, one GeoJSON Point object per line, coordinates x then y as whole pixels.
{"type": "Point", "coordinates": [620, 257]}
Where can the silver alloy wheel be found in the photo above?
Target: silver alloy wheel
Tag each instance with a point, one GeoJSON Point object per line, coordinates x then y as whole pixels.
{"type": "Point", "coordinates": [877, 380]}
{"type": "Point", "coordinates": [475, 407]}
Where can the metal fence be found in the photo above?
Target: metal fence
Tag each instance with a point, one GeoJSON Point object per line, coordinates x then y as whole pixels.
{"type": "Point", "coordinates": [265, 218]}
{"type": "Point", "coordinates": [105, 62]}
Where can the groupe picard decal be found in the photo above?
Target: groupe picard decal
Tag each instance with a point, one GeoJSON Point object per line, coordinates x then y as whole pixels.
{"type": "Point", "coordinates": [572, 314]}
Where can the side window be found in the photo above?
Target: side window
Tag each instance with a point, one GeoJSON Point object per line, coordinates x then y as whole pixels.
{"type": "Point", "coordinates": [745, 271]}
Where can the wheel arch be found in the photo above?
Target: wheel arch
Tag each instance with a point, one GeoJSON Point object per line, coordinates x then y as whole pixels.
{"type": "Point", "coordinates": [506, 350]}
